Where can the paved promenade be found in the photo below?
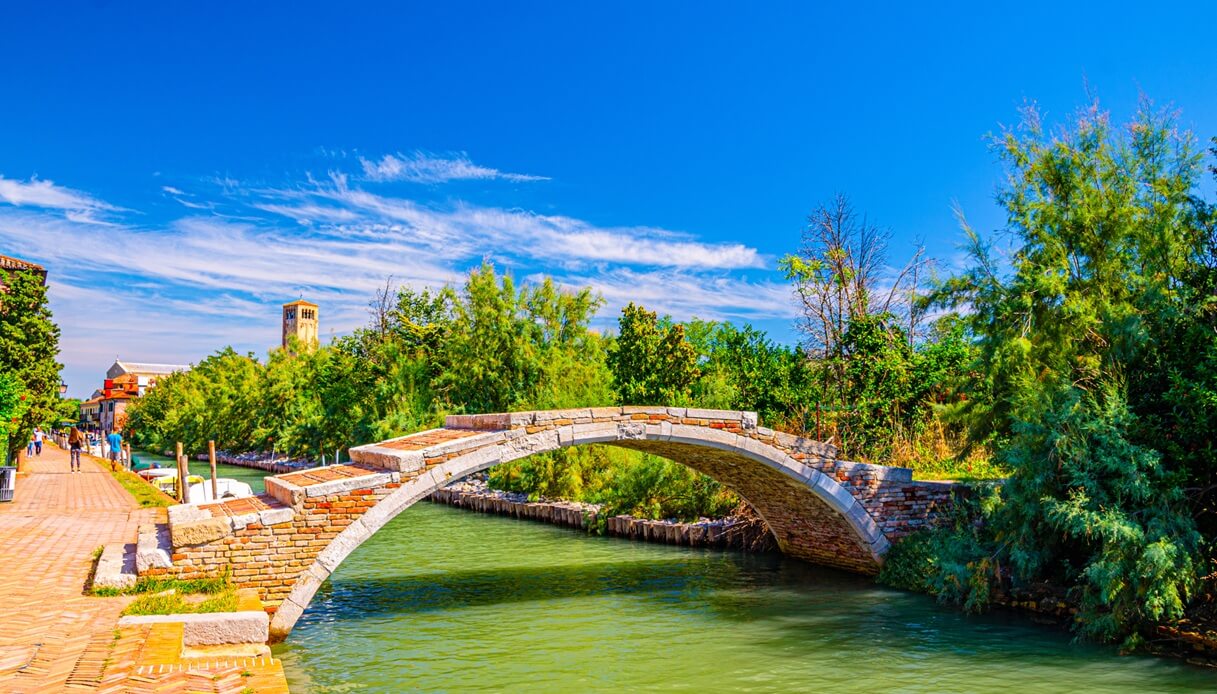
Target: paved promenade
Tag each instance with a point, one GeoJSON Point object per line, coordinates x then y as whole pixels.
{"type": "Point", "coordinates": [53, 638]}
{"type": "Point", "coordinates": [47, 538]}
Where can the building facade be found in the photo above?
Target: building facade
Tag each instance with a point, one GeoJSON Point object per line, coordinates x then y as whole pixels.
{"type": "Point", "coordinates": [125, 381]}
{"type": "Point", "coordinates": [124, 375]}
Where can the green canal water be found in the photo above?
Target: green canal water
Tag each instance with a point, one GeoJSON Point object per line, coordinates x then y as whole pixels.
{"type": "Point", "coordinates": [445, 600]}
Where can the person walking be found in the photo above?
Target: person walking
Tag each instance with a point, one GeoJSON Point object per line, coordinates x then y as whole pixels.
{"type": "Point", "coordinates": [115, 440]}
{"type": "Point", "coordinates": [39, 435]}
{"type": "Point", "coordinates": [76, 441]}
{"type": "Point", "coordinates": [29, 447]}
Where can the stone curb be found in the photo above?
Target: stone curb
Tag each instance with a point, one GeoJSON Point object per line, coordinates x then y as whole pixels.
{"type": "Point", "coordinates": [212, 629]}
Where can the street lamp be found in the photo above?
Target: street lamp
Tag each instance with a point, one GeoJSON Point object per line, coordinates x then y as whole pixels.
{"type": "Point", "coordinates": [63, 388]}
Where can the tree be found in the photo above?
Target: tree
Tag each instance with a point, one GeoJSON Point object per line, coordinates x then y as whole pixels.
{"type": "Point", "coordinates": [502, 343]}
{"type": "Point", "coordinates": [651, 361]}
{"type": "Point", "coordinates": [840, 273]}
{"type": "Point", "coordinates": [1104, 242]}
{"type": "Point", "coordinates": [742, 369]}
{"type": "Point", "coordinates": [29, 344]}
{"type": "Point", "coordinates": [12, 409]}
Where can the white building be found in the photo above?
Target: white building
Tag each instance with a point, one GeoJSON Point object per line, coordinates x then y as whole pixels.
{"type": "Point", "coordinates": [146, 375]}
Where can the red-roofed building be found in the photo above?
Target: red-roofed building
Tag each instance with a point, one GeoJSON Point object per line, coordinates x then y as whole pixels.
{"type": "Point", "coordinates": [9, 264]}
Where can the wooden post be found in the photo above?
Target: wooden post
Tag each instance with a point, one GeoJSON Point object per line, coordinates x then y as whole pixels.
{"type": "Point", "coordinates": [211, 456]}
{"type": "Point", "coordinates": [182, 472]}
{"type": "Point", "coordinates": [819, 433]}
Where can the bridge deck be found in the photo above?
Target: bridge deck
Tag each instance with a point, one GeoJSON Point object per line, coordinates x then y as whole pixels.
{"type": "Point", "coordinates": [321, 475]}
{"type": "Point", "coordinates": [241, 507]}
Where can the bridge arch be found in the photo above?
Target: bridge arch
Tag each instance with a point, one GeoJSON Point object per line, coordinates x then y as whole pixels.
{"type": "Point", "coordinates": [787, 479]}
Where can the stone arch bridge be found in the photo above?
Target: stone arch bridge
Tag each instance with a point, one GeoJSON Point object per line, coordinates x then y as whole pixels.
{"type": "Point", "coordinates": [286, 542]}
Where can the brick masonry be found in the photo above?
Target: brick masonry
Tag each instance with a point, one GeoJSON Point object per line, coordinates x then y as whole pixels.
{"type": "Point", "coordinates": [286, 542]}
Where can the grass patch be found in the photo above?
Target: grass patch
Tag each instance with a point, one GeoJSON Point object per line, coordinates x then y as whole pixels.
{"type": "Point", "coordinates": [166, 595]}
{"type": "Point", "coordinates": [940, 453]}
{"type": "Point", "coordinates": [161, 584]}
{"type": "Point", "coordinates": [145, 494]}
{"type": "Point", "coordinates": [178, 603]}
{"type": "Point", "coordinates": [93, 567]}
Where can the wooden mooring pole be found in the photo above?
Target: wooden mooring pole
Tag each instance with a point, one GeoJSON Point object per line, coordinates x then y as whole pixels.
{"type": "Point", "coordinates": [182, 472]}
{"type": "Point", "coordinates": [211, 457]}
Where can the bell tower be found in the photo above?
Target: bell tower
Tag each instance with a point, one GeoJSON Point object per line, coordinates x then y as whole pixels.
{"type": "Point", "coordinates": [300, 319]}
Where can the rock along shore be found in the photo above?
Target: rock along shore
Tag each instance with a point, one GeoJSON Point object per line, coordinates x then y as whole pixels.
{"type": "Point", "coordinates": [725, 533]}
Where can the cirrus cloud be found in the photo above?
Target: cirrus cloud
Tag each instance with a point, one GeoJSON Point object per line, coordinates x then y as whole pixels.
{"type": "Point", "coordinates": [421, 167]}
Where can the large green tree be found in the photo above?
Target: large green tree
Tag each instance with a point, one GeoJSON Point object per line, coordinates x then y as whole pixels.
{"type": "Point", "coordinates": [29, 345]}
{"type": "Point", "coordinates": [1104, 241]}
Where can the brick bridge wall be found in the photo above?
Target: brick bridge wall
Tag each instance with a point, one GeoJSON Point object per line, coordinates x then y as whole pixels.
{"type": "Point", "coordinates": [286, 542]}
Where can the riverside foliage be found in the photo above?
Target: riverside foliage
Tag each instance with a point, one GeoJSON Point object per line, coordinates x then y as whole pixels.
{"type": "Point", "coordinates": [1094, 377]}
{"type": "Point", "coordinates": [495, 346]}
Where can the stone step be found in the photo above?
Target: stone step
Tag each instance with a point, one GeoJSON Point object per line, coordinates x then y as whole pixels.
{"type": "Point", "coordinates": [153, 549]}
{"type": "Point", "coordinates": [115, 567]}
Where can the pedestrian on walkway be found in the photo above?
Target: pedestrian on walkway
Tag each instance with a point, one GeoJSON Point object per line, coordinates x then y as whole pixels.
{"type": "Point", "coordinates": [29, 447]}
{"type": "Point", "coordinates": [39, 435]}
{"type": "Point", "coordinates": [115, 440]}
{"type": "Point", "coordinates": [76, 441]}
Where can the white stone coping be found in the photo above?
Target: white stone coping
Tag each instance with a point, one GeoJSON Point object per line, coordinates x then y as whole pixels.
{"type": "Point", "coordinates": [384, 456]}
{"type": "Point", "coordinates": [185, 514]}
{"type": "Point", "coordinates": [213, 628]}
{"type": "Point", "coordinates": [880, 472]}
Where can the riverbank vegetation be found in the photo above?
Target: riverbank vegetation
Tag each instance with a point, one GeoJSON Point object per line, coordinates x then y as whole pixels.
{"type": "Point", "coordinates": [1094, 377]}
{"type": "Point", "coordinates": [1071, 363]}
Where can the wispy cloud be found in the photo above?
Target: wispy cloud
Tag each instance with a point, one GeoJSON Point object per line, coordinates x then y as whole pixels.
{"type": "Point", "coordinates": [177, 289]}
{"type": "Point", "coordinates": [461, 229]}
{"type": "Point", "coordinates": [45, 194]}
{"type": "Point", "coordinates": [421, 167]}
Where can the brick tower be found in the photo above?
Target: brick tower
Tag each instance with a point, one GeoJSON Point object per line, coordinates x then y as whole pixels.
{"type": "Point", "coordinates": [300, 319]}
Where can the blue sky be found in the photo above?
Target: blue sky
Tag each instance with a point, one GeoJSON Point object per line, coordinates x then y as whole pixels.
{"type": "Point", "coordinates": [183, 171]}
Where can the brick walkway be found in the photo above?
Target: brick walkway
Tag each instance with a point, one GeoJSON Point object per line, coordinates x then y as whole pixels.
{"type": "Point", "coordinates": [53, 638]}
{"type": "Point", "coordinates": [47, 538]}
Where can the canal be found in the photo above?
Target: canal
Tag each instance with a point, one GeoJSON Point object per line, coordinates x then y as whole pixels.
{"type": "Point", "coordinates": [447, 600]}
{"type": "Point", "coordinates": [242, 474]}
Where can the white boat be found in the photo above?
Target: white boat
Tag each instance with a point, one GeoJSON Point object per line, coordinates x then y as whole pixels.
{"type": "Point", "coordinates": [152, 472]}
{"type": "Point", "coordinates": [200, 492]}
{"type": "Point", "coordinates": [168, 483]}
